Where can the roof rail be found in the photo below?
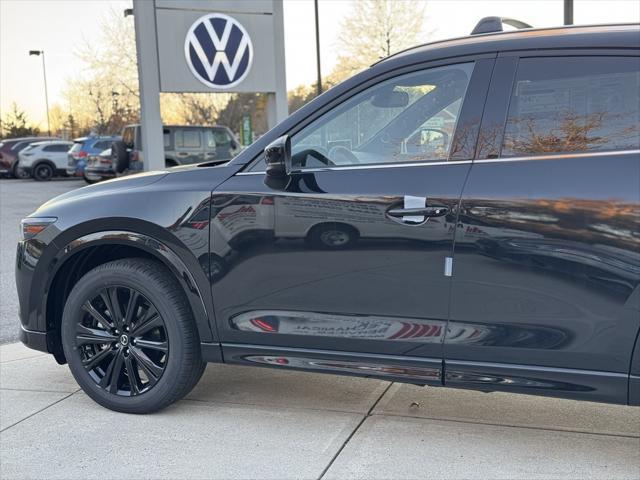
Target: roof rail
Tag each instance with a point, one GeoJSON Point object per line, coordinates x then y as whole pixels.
{"type": "Point", "coordinates": [494, 24]}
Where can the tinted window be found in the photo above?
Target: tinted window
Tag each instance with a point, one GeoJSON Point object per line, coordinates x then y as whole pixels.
{"type": "Point", "coordinates": [406, 119]}
{"type": "Point", "coordinates": [56, 148]}
{"type": "Point", "coordinates": [221, 137]}
{"type": "Point", "coordinates": [128, 136]}
{"type": "Point", "coordinates": [574, 104]}
{"type": "Point", "coordinates": [77, 146]}
{"type": "Point", "coordinates": [188, 139]}
{"type": "Point", "coordinates": [103, 145]}
{"type": "Point", "coordinates": [209, 139]}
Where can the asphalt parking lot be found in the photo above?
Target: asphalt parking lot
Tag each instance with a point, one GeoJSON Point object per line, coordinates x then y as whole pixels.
{"type": "Point", "coordinates": [18, 198]}
{"type": "Point", "coordinates": [242, 422]}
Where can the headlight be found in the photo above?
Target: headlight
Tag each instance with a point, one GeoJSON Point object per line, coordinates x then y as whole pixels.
{"type": "Point", "coordinates": [33, 226]}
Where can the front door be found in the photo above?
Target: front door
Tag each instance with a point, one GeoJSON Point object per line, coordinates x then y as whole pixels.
{"type": "Point", "coordinates": [351, 256]}
{"type": "Point", "coordinates": [547, 258]}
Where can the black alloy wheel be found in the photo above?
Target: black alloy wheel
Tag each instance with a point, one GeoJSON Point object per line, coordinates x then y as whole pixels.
{"type": "Point", "coordinates": [122, 341]}
{"type": "Point", "coordinates": [129, 336]}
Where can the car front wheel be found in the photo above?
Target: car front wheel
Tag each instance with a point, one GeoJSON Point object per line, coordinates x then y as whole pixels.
{"type": "Point", "coordinates": [129, 337]}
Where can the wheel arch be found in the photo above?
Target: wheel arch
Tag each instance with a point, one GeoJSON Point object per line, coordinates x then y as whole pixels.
{"type": "Point", "coordinates": [87, 251]}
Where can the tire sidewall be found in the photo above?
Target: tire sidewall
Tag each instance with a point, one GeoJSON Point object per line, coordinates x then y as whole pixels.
{"type": "Point", "coordinates": [88, 287]}
{"type": "Point", "coordinates": [39, 167]}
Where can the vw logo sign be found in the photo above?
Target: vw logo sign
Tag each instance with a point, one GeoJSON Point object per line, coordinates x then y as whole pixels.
{"type": "Point", "coordinates": [218, 51]}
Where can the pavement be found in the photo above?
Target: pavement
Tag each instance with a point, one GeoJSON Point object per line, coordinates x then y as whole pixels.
{"type": "Point", "coordinates": [19, 198]}
{"type": "Point", "coordinates": [248, 422]}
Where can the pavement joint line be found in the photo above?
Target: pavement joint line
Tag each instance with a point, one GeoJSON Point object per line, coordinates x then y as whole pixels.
{"type": "Point", "coordinates": [351, 435]}
{"type": "Point", "coordinates": [507, 425]}
{"type": "Point", "coordinates": [39, 411]}
{"type": "Point", "coordinates": [9, 389]}
{"type": "Point", "coordinates": [292, 407]}
{"type": "Point", "coordinates": [21, 359]}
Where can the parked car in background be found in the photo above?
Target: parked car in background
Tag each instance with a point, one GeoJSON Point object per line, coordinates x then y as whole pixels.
{"type": "Point", "coordinates": [99, 167]}
{"type": "Point", "coordinates": [183, 145]}
{"type": "Point", "coordinates": [9, 150]}
{"type": "Point", "coordinates": [82, 148]}
{"type": "Point", "coordinates": [44, 160]}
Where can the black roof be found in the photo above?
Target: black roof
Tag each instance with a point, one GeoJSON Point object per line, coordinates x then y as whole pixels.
{"type": "Point", "coordinates": [575, 36]}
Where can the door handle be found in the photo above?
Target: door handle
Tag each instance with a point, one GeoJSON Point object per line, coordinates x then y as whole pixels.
{"type": "Point", "coordinates": [421, 212]}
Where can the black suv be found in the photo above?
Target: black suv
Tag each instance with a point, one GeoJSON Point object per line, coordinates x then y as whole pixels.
{"type": "Point", "coordinates": [465, 213]}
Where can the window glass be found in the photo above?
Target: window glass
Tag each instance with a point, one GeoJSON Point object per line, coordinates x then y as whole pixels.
{"type": "Point", "coordinates": [128, 136]}
{"type": "Point", "coordinates": [209, 139]}
{"type": "Point", "coordinates": [77, 146]}
{"type": "Point", "coordinates": [574, 104]}
{"type": "Point", "coordinates": [221, 137]}
{"type": "Point", "coordinates": [188, 139]}
{"type": "Point", "coordinates": [59, 147]}
{"type": "Point", "coordinates": [409, 118]}
{"type": "Point", "coordinates": [102, 145]}
{"type": "Point", "coordinates": [166, 138]}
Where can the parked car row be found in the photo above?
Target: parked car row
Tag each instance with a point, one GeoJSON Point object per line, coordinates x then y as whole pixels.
{"type": "Point", "coordinates": [98, 158]}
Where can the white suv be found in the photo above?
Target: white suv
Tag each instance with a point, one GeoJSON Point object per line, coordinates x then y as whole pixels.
{"type": "Point", "coordinates": [44, 160]}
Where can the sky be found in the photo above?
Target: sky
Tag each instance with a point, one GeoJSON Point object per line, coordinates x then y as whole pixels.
{"type": "Point", "coordinates": [59, 26]}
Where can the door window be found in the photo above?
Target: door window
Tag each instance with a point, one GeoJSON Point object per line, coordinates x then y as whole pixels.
{"type": "Point", "coordinates": [574, 104]}
{"type": "Point", "coordinates": [410, 118]}
{"type": "Point", "coordinates": [188, 139]}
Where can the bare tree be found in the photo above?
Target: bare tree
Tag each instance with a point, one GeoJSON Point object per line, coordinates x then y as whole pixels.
{"type": "Point", "coordinates": [376, 29]}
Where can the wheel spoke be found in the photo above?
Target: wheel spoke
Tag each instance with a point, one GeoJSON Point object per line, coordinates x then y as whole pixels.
{"type": "Point", "coordinates": [110, 379]}
{"type": "Point", "coordinates": [110, 298]}
{"type": "Point", "coordinates": [152, 345]}
{"type": "Point", "coordinates": [91, 310]}
{"type": "Point", "coordinates": [98, 358]}
{"type": "Point", "coordinates": [148, 322]}
{"type": "Point", "coordinates": [132, 373]}
{"type": "Point", "coordinates": [132, 307]}
{"type": "Point", "coordinates": [86, 335]}
{"type": "Point", "coordinates": [152, 370]}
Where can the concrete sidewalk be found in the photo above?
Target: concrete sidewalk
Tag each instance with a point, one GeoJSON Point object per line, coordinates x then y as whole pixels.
{"type": "Point", "coordinates": [256, 423]}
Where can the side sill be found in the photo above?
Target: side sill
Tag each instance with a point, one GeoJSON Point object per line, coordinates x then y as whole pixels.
{"type": "Point", "coordinates": [590, 385]}
{"type": "Point", "coordinates": [211, 352]}
{"type": "Point", "coordinates": [416, 370]}
{"type": "Point", "coordinates": [634, 390]}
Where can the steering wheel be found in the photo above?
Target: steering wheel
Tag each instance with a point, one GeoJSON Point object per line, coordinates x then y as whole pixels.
{"type": "Point", "coordinates": [341, 155]}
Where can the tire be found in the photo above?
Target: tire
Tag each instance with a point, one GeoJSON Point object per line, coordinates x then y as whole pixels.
{"type": "Point", "coordinates": [333, 236]}
{"type": "Point", "coordinates": [42, 172]}
{"type": "Point", "coordinates": [18, 173]}
{"type": "Point", "coordinates": [120, 156]}
{"type": "Point", "coordinates": [90, 181]}
{"type": "Point", "coordinates": [165, 368]}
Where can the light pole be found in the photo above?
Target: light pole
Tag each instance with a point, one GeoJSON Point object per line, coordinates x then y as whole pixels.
{"type": "Point", "coordinates": [568, 12]}
{"type": "Point", "coordinates": [46, 93]}
{"type": "Point", "coordinates": [319, 80]}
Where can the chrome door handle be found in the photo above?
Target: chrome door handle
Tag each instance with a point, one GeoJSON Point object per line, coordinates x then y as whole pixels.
{"type": "Point", "coordinates": [422, 212]}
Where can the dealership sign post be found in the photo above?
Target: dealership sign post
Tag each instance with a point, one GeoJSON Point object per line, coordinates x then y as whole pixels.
{"type": "Point", "coordinates": [207, 46]}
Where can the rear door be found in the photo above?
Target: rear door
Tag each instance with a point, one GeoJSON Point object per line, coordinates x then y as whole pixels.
{"type": "Point", "coordinates": [545, 295]}
{"type": "Point", "coordinates": [348, 262]}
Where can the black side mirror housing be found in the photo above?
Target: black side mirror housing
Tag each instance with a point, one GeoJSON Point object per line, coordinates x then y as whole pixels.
{"type": "Point", "coordinates": [277, 156]}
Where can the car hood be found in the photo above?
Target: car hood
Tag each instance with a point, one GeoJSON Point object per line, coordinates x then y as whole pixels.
{"type": "Point", "coordinates": [107, 187]}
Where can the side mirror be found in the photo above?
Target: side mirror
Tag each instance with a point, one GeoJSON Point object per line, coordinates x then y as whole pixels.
{"type": "Point", "coordinates": [277, 156]}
